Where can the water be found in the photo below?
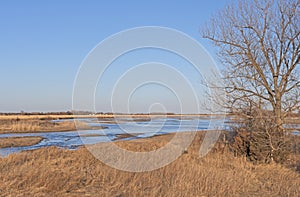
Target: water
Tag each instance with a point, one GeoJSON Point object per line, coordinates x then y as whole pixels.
{"type": "Point", "coordinates": [140, 129]}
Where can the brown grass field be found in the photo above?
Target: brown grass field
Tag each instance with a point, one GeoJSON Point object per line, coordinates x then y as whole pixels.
{"type": "Point", "coordinates": [58, 172]}
{"type": "Point", "coordinates": [19, 141]}
{"type": "Point", "coordinates": [37, 125]}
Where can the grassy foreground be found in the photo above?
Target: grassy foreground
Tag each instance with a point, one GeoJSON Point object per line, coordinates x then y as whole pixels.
{"type": "Point", "coordinates": [57, 172]}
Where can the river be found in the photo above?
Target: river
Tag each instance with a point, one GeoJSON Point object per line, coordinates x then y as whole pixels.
{"type": "Point", "coordinates": [139, 129]}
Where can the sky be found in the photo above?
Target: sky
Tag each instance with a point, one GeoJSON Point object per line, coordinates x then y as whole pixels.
{"type": "Point", "coordinates": [43, 44]}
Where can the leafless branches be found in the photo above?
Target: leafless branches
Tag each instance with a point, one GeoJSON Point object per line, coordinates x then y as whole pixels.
{"type": "Point", "coordinates": [258, 42]}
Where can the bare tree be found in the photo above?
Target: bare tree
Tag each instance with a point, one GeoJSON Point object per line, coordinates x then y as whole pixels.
{"type": "Point", "coordinates": [258, 42]}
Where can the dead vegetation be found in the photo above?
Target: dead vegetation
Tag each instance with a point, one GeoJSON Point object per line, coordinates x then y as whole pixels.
{"type": "Point", "coordinates": [58, 172]}
{"type": "Point", "coordinates": [261, 140]}
{"type": "Point", "coordinates": [36, 125]}
{"type": "Point", "coordinates": [144, 144]}
{"type": "Point", "coordinates": [19, 141]}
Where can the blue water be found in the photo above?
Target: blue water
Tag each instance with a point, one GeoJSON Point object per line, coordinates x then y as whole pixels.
{"type": "Point", "coordinates": [141, 129]}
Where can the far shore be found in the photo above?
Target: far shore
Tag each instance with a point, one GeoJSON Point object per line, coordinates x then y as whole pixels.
{"type": "Point", "coordinates": [12, 123]}
{"type": "Point", "coordinates": [74, 116]}
{"type": "Point", "coordinates": [294, 119]}
{"type": "Point", "coordinates": [39, 126]}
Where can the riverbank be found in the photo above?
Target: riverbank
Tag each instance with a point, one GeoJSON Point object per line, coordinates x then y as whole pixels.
{"type": "Point", "coordinates": [38, 126]}
{"type": "Point", "coordinates": [59, 172]}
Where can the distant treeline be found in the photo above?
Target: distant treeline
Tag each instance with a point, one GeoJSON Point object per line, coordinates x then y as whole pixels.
{"type": "Point", "coordinates": [291, 114]}
{"type": "Point", "coordinates": [79, 113]}
{"type": "Point", "coordinates": [36, 113]}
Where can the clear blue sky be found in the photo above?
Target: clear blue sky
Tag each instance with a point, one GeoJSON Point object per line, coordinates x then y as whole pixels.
{"type": "Point", "coordinates": [44, 42]}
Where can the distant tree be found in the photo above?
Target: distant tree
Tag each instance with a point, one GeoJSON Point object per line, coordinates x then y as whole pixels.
{"type": "Point", "coordinates": [258, 43]}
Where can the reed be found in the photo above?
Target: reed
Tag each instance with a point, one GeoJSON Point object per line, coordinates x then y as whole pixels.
{"type": "Point", "coordinates": [34, 126]}
{"type": "Point", "coordinates": [19, 141]}
{"type": "Point", "coordinates": [58, 172]}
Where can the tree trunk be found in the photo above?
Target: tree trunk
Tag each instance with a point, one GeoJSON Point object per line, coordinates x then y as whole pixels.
{"type": "Point", "coordinates": [278, 115]}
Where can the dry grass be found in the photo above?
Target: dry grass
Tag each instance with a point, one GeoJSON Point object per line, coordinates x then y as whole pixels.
{"type": "Point", "coordinates": [29, 126]}
{"type": "Point", "coordinates": [58, 172]}
{"type": "Point", "coordinates": [144, 144]}
{"type": "Point", "coordinates": [19, 141]}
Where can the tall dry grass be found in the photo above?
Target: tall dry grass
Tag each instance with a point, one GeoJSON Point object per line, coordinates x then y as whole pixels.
{"type": "Point", "coordinates": [57, 172]}
{"type": "Point", "coordinates": [19, 141]}
{"type": "Point", "coordinates": [25, 126]}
